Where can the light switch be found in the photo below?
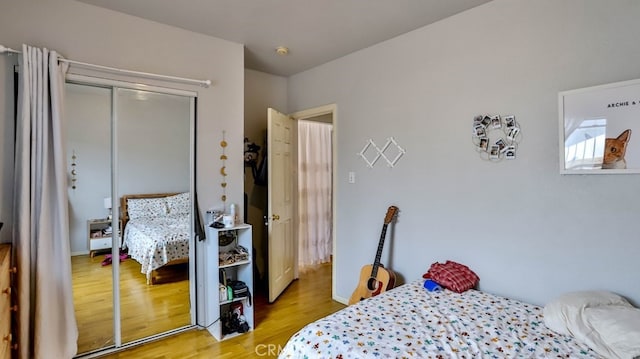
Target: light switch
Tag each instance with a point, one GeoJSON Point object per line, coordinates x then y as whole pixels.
{"type": "Point", "coordinates": [352, 177]}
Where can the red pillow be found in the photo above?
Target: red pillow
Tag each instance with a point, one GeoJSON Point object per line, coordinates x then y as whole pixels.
{"type": "Point", "coordinates": [453, 276]}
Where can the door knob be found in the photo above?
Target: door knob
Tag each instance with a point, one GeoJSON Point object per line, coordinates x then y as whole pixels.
{"type": "Point", "coordinates": [275, 217]}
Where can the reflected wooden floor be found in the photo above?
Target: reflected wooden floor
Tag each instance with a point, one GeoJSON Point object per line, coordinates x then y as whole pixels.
{"type": "Point", "coordinates": [145, 310]}
{"type": "Point", "coordinates": [306, 300]}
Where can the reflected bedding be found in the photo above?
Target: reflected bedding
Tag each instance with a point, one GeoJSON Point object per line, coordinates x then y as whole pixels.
{"type": "Point", "coordinates": [154, 242]}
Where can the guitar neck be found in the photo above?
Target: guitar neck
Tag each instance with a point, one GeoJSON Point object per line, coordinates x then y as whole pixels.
{"type": "Point", "coordinates": [376, 262]}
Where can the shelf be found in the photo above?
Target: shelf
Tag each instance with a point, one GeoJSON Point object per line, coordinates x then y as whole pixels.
{"type": "Point", "coordinates": [233, 300]}
{"type": "Point", "coordinates": [238, 263]}
{"type": "Point", "coordinates": [100, 220]}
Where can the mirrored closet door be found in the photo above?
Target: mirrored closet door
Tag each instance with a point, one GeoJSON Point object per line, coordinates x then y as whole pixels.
{"type": "Point", "coordinates": [130, 157]}
{"type": "Point", "coordinates": [88, 136]}
{"type": "Point", "coordinates": [153, 142]}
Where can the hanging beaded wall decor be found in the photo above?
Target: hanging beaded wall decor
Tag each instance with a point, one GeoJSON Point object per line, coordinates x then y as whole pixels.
{"type": "Point", "coordinates": [74, 172]}
{"type": "Point", "coordinates": [223, 171]}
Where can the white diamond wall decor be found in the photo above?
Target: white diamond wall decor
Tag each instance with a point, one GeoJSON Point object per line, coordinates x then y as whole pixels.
{"type": "Point", "coordinates": [386, 151]}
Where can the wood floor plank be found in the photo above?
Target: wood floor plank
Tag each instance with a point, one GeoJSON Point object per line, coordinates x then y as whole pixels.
{"type": "Point", "coordinates": [306, 299]}
{"type": "Point", "coordinates": [145, 310]}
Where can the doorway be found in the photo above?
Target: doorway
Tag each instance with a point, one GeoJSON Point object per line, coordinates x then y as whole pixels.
{"type": "Point", "coordinates": [259, 214]}
{"type": "Point", "coordinates": [325, 117]}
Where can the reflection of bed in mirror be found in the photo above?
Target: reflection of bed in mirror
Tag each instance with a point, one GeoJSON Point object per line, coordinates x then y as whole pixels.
{"type": "Point", "coordinates": [156, 230]}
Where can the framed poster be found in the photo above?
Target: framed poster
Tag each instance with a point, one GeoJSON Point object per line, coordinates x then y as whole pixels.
{"type": "Point", "coordinates": [600, 129]}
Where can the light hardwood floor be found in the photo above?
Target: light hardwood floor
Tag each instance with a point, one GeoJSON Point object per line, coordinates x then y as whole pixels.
{"type": "Point", "coordinates": [140, 303]}
{"type": "Point", "coordinates": [305, 300]}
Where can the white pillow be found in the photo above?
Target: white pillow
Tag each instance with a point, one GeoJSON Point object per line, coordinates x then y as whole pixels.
{"type": "Point", "coordinates": [617, 328]}
{"type": "Point", "coordinates": [604, 321]}
{"type": "Point", "coordinates": [146, 208]}
{"type": "Point", "coordinates": [563, 312]}
{"type": "Point", "coordinates": [179, 204]}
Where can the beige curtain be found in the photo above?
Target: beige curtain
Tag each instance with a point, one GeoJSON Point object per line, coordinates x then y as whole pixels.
{"type": "Point", "coordinates": [315, 192]}
{"type": "Point", "coordinates": [46, 318]}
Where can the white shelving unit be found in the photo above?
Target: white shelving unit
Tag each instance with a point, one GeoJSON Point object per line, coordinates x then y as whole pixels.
{"type": "Point", "coordinates": [241, 270]}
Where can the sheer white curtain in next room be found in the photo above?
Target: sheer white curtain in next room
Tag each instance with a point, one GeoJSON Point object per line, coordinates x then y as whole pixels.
{"type": "Point", "coordinates": [314, 192]}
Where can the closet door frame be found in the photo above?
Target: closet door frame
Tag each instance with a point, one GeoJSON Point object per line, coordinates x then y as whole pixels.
{"type": "Point", "coordinates": [114, 85]}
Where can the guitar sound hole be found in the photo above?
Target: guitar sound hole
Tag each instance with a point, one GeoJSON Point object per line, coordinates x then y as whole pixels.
{"type": "Point", "coordinates": [372, 284]}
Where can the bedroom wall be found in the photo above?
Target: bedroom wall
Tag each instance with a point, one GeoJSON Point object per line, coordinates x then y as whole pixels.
{"type": "Point", "coordinates": [91, 34]}
{"type": "Point", "coordinates": [527, 231]}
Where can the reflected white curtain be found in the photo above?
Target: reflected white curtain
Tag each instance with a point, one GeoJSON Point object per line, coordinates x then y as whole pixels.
{"type": "Point", "coordinates": [46, 318]}
{"type": "Point", "coordinates": [315, 192]}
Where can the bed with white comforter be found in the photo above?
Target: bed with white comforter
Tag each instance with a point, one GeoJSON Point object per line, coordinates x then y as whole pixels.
{"type": "Point", "coordinates": [410, 322]}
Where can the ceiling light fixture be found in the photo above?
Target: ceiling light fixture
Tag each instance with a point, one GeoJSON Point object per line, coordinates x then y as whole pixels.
{"type": "Point", "coordinates": [281, 50]}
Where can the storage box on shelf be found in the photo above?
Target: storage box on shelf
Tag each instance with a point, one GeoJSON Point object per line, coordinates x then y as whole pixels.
{"type": "Point", "coordinates": [229, 306]}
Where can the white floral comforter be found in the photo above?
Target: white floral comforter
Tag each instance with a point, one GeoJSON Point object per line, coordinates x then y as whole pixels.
{"type": "Point", "coordinates": [409, 322]}
{"type": "Point", "coordinates": [154, 242]}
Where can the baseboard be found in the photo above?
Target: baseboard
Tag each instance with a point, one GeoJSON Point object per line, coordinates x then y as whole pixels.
{"type": "Point", "coordinates": [342, 300]}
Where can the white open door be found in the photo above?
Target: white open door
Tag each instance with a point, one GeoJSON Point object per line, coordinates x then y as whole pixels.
{"type": "Point", "coordinates": [280, 198]}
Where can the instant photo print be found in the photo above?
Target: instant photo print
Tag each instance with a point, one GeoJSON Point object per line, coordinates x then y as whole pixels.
{"type": "Point", "coordinates": [486, 120]}
{"type": "Point", "coordinates": [480, 131]}
{"type": "Point", "coordinates": [484, 144]}
{"type": "Point", "coordinates": [510, 121]}
{"type": "Point", "coordinates": [513, 132]}
{"type": "Point", "coordinates": [477, 121]}
{"type": "Point", "coordinates": [495, 122]}
{"type": "Point", "coordinates": [510, 152]}
{"type": "Point", "coordinates": [494, 154]}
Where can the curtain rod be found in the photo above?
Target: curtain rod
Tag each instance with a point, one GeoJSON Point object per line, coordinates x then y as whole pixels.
{"type": "Point", "coordinates": [203, 83]}
{"type": "Point", "coordinates": [7, 49]}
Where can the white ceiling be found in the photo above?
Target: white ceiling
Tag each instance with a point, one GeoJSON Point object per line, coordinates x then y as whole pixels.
{"type": "Point", "coordinates": [315, 31]}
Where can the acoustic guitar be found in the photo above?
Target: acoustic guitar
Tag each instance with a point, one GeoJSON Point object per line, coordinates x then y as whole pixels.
{"type": "Point", "coordinates": [374, 278]}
